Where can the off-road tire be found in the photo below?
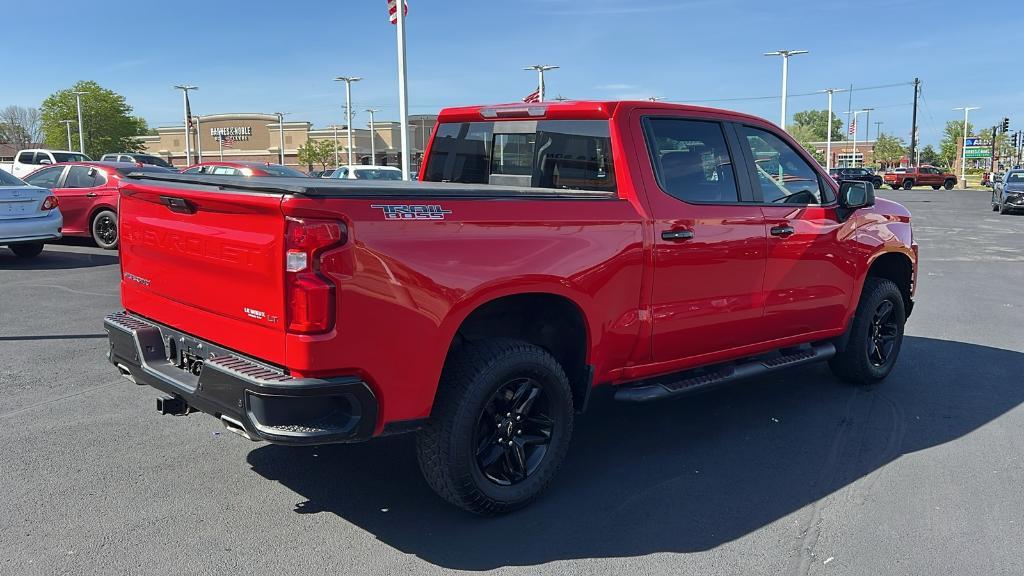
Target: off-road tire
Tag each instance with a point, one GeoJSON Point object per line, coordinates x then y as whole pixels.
{"type": "Point", "coordinates": [27, 249]}
{"type": "Point", "coordinates": [854, 363]}
{"type": "Point", "coordinates": [446, 448]}
{"type": "Point", "coordinates": [908, 184]}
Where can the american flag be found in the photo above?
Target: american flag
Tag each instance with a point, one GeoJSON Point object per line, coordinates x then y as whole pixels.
{"type": "Point", "coordinates": [533, 97]}
{"type": "Point", "coordinates": [853, 127]}
{"type": "Point", "coordinates": [226, 141]}
{"type": "Point", "coordinates": [188, 112]}
{"type": "Point", "coordinates": [393, 10]}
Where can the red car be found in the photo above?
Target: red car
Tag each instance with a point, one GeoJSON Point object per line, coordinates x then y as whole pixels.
{"type": "Point", "coordinates": [88, 193]}
{"type": "Point", "coordinates": [243, 169]}
{"type": "Point", "coordinates": [655, 248]}
{"type": "Point", "coordinates": [925, 175]}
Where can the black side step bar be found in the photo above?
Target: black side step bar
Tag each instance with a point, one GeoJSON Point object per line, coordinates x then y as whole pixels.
{"type": "Point", "coordinates": [647, 391]}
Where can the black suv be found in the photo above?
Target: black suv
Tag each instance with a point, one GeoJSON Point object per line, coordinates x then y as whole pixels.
{"type": "Point", "coordinates": [862, 174]}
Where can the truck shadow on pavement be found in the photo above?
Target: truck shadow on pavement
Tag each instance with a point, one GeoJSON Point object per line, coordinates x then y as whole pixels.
{"type": "Point", "coordinates": [679, 476]}
{"type": "Point", "coordinates": [55, 257]}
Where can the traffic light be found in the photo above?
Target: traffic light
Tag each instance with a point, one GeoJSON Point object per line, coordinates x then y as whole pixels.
{"type": "Point", "coordinates": [1006, 125]}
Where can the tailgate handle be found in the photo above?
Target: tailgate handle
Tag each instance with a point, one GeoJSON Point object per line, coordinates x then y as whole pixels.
{"type": "Point", "coordinates": [179, 205]}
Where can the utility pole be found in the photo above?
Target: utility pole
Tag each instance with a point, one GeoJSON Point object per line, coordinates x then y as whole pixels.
{"type": "Point", "coordinates": [541, 69]}
{"type": "Point", "coordinates": [348, 80]}
{"type": "Point", "coordinates": [68, 124]}
{"type": "Point", "coordinates": [785, 77]}
{"type": "Point", "coordinates": [828, 137]}
{"type": "Point", "coordinates": [373, 137]}
{"type": "Point", "coordinates": [913, 122]}
{"type": "Point", "coordinates": [878, 129]}
{"type": "Point", "coordinates": [81, 134]}
{"type": "Point", "coordinates": [280, 135]}
{"type": "Point", "coordinates": [963, 149]}
{"type": "Point", "coordinates": [188, 121]}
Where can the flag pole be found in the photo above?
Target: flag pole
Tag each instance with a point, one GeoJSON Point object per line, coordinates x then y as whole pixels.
{"type": "Point", "coordinates": [403, 89]}
{"type": "Point", "coordinates": [220, 144]}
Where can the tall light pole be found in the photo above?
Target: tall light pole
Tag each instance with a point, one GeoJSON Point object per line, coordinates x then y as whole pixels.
{"type": "Point", "coordinates": [188, 132]}
{"type": "Point", "coordinates": [785, 77]}
{"type": "Point", "coordinates": [853, 120]}
{"type": "Point", "coordinates": [373, 136]}
{"type": "Point", "coordinates": [403, 91]}
{"type": "Point", "coordinates": [68, 124]}
{"type": "Point", "coordinates": [541, 69]}
{"type": "Point", "coordinates": [963, 151]}
{"type": "Point", "coordinates": [878, 129]}
{"type": "Point", "coordinates": [828, 137]}
{"type": "Point", "coordinates": [81, 135]}
{"type": "Point", "coordinates": [280, 135]}
{"type": "Point", "coordinates": [348, 80]}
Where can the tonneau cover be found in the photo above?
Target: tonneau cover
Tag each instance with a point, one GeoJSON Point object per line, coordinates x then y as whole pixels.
{"type": "Point", "coordinates": [339, 188]}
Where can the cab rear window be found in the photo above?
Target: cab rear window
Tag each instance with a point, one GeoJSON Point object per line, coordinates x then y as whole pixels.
{"type": "Point", "coordinates": [561, 154]}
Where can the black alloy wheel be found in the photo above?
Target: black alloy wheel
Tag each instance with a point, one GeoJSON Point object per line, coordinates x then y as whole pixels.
{"type": "Point", "coordinates": [882, 334]}
{"type": "Point", "coordinates": [513, 432]}
{"type": "Point", "coordinates": [104, 230]}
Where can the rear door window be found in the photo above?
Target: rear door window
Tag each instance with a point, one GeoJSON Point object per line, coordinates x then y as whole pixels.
{"type": "Point", "coordinates": [561, 154]}
{"type": "Point", "coordinates": [691, 160]}
{"type": "Point", "coordinates": [84, 177]}
{"type": "Point", "coordinates": [224, 171]}
{"type": "Point", "coordinates": [26, 157]}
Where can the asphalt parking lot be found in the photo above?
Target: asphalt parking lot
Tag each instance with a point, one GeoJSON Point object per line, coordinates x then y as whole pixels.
{"type": "Point", "coordinates": [795, 474]}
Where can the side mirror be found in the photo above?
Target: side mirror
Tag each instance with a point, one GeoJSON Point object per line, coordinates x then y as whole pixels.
{"type": "Point", "coordinates": [45, 161]}
{"type": "Point", "coordinates": [854, 194]}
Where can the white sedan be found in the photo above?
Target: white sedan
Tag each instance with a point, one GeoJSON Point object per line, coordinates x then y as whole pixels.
{"type": "Point", "coordinates": [29, 216]}
{"type": "Point", "coordinates": [366, 172]}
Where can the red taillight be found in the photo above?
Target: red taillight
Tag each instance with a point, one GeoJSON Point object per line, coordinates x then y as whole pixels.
{"type": "Point", "coordinates": [310, 296]}
{"type": "Point", "coordinates": [50, 203]}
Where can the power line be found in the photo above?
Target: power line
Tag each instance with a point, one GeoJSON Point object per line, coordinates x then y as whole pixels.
{"type": "Point", "coordinates": [816, 93]}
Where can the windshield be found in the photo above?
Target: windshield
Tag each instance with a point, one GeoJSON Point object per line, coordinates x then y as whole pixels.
{"type": "Point", "coordinates": [278, 170]}
{"type": "Point", "coordinates": [8, 180]}
{"type": "Point", "coordinates": [1014, 178]}
{"type": "Point", "coordinates": [377, 174]}
{"type": "Point", "coordinates": [70, 157]}
{"type": "Point", "coordinates": [153, 160]}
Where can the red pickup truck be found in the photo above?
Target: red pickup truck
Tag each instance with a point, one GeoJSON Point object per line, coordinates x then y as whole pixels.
{"type": "Point", "coordinates": [549, 249]}
{"type": "Point", "coordinates": [907, 178]}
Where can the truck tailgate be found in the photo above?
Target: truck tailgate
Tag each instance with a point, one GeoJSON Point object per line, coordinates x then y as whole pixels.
{"type": "Point", "coordinates": [208, 262]}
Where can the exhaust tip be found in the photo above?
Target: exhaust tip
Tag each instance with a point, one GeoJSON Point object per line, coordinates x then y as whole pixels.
{"type": "Point", "coordinates": [236, 427]}
{"type": "Point", "coordinates": [173, 405]}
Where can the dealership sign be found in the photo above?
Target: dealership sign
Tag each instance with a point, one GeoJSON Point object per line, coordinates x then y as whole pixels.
{"type": "Point", "coordinates": [233, 132]}
{"type": "Point", "coordinates": [978, 152]}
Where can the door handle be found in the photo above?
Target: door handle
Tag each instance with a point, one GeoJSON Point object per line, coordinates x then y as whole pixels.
{"type": "Point", "coordinates": [677, 235]}
{"type": "Point", "coordinates": [91, 195]}
{"type": "Point", "coordinates": [782, 230]}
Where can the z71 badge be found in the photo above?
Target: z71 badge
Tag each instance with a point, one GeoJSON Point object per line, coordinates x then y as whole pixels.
{"type": "Point", "coordinates": [412, 211]}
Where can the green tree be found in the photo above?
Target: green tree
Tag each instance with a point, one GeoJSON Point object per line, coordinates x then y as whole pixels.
{"type": "Point", "coordinates": [949, 145]}
{"type": "Point", "coordinates": [817, 122]}
{"type": "Point", "coordinates": [889, 150]}
{"type": "Point", "coordinates": [805, 137]}
{"type": "Point", "coordinates": [317, 152]}
{"type": "Point", "coordinates": [106, 117]}
{"type": "Point", "coordinates": [20, 126]}
{"type": "Point", "coordinates": [930, 156]}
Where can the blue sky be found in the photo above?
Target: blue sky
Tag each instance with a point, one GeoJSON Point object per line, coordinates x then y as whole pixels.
{"type": "Point", "coordinates": [463, 52]}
